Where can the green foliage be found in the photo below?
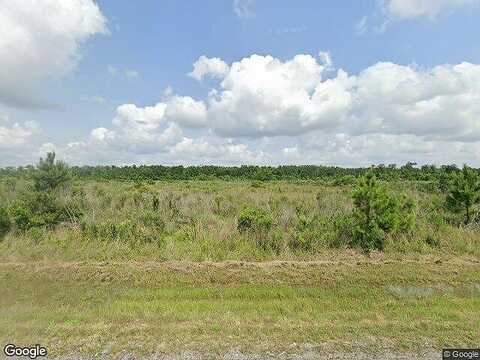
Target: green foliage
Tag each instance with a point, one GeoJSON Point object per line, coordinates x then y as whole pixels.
{"type": "Point", "coordinates": [218, 220]}
{"type": "Point", "coordinates": [344, 180]}
{"type": "Point", "coordinates": [152, 219]}
{"type": "Point", "coordinates": [41, 206]}
{"type": "Point", "coordinates": [378, 213]}
{"type": "Point", "coordinates": [254, 219]}
{"type": "Point", "coordinates": [149, 174]}
{"type": "Point", "coordinates": [147, 229]}
{"type": "Point", "coordinates": [50, 175]}
{"type": "Point", "coordinates": [463, 193]}
{"type": "Point", "coordinates": [4, 222]}
{"type": "Point", "coordinates": [37, 209]}
{"type": "Point", "coordinates": [306, 233]}
{"type": "Point", "coordinates": [343, 226]}
{"type": "Point", "coordinates": [173, 205]}
{"type": "Point", "coordinates": [257, 224]}
{"type": "Point", "coordinates": [263, 174]}
{"type": "Point", "coordinates": [110, 230]}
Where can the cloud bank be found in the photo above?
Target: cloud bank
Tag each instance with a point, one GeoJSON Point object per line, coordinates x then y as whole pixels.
{"type": "Point", "coordinates": [265, 110]}
{"type": "Point", "coordinates": [259, 110]}
{"type": "Point", "coordinates": [271, 111]}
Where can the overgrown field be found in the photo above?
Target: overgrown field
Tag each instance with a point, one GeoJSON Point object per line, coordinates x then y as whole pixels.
{"type": "Point", "coordinates": [53, 212]}
{"type": "Point", "coordinates": [199, 220]}
{"type": "Point", "coordinates": [364, 262]}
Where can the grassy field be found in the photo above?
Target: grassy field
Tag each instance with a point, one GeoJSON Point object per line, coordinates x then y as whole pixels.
{"type": "Point", "coordinates": [197, 221]}
{"type": "Point", "coordinates": [163, 267]}
{"type": "Point", "coordinates": [146, 307]}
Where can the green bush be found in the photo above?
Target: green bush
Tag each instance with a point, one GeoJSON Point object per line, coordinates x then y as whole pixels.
{"type": "Point", "coordinates": [256, 219]}
{"type": "Point", "coordinates": [463, 193]}
{"type": "Point", "coordinates": [256, 223]}
{"type": "Point", "coordinates": [153, 220]}
{"type": "Point", "coordinates": [432, 241]}
{"type": "Point", "coordinates": [343, 225]}
{"type": "Point", "coordinates": [306, 233]}
{"type": "Point", "coordinates": [263, 174]}
{"type": "Point", "coordinates": [4, 222]}
{"type": "Point", "coordinates": [37, 209]}
{"type": "Point", "coordinates": [378, 213]}
{"type": "Point", "coordinates": [344, 180]}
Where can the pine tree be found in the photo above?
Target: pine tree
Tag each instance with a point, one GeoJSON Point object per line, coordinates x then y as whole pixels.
{"type": "Point", "coordinates": [50, 175]}
{"type": "Point", "coordinates": [464, 193]}
{"type": "Point", "coordinates": [42, 205]}
{"type": "Point", "coordinates": [378, 213]}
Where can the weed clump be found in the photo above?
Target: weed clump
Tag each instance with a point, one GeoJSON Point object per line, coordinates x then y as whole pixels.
{"type": "Point", "coordinates": [306, 233]}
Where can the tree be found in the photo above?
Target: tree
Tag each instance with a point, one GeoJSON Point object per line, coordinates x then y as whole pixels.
{"type": "Point", "coordinates": [464, 192]}
{"type": "Point", "coordinates": [50, 174]}
{"type": "Point", "coordinates": [42, 206]}
{"type": "Point", "coordinates": [377, 213]}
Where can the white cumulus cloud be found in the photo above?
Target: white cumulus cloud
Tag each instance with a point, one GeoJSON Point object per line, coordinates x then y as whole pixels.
{"type": "Point", "coordinates": [264, 96]}
{"type": "Point", "coordinates": [441, 103]}
{"type": "Point", "coordinates": [267, 110]}
{"type": "Point", "coordinates": [19, 141]}
{"type": "Point", "coordinates": [186, 111]}
{"type": "Point", "coordinates": [204, 66]}
{"type": "Point", "coordinates": [40, 39]}
{"type": "Point", "coordinates": [16, 135]}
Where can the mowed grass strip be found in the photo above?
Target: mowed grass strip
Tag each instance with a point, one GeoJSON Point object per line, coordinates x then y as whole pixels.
{"type": "Point", "coordinates": [147, 308]}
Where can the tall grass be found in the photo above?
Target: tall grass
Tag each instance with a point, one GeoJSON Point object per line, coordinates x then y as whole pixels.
{"type": "Point", "coordinates": [198, 220]}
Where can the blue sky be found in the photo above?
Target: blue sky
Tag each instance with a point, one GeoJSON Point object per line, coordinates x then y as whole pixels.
{"type": "Point", "coordinates": [116, 59]}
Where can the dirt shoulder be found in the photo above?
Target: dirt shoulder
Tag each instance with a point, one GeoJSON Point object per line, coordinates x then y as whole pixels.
{"type": "Point", "coordinates": [307, 354]}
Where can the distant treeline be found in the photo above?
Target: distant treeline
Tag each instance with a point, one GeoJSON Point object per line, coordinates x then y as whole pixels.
{"type": "Point", "coordinates": [408, 171]}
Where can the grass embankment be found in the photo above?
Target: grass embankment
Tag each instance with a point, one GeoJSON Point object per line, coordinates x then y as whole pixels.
{"type": "Point", "coordinates": [88, 308]}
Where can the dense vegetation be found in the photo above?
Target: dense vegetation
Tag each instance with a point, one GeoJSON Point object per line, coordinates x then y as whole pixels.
{"type": "Point", "coordinates": [53, 211]}
{"type": "Point", "coordinates": [262, 173]}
